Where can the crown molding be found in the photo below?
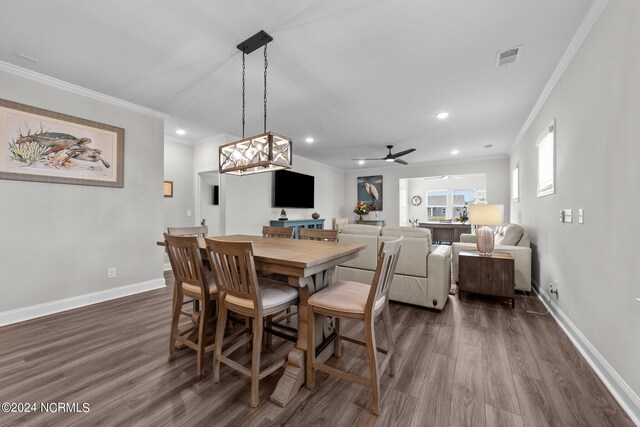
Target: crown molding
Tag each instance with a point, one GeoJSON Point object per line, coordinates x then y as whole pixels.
{"type": "Point", "coordinates": [172, 138]}
{"type": "Point", "coordinates": [70, 87]}
{"type": "Point", "coordinates": [587, 23]}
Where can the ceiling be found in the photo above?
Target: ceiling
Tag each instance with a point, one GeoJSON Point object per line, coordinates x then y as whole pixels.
{"type": "Point", "coordinates": [355, 75]}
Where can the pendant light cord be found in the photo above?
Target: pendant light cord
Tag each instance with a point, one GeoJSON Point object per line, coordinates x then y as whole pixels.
{"type": "Point", "coordinates": [266, 63]}
{"type": "Point", "coordinates": [243, 103]}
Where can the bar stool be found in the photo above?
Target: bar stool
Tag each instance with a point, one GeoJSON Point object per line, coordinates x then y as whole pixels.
{"type": "Point", "coordinates": [358, 301]}
{"type": "Point", "coordinates": [244, 294]}
{"type": "Point", "coordinates": [190, 281]}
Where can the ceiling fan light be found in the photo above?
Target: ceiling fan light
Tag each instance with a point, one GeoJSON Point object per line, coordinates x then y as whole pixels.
{"type": "Point", "coordinates": [389, 159]}
{"type": "Point", "coordinates": [361, 162]}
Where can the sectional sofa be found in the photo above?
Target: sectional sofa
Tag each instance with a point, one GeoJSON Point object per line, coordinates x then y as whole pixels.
{"type": "Point", "coordinates": [423, 273]}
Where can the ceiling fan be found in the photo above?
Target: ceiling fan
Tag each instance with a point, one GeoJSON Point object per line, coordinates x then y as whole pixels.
{"type": "Point", "coordinates": [394, 157]}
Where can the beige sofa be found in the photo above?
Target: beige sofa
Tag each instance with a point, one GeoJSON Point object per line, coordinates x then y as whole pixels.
{"type": "Point", "coordinates": [423, 273]}
{"type": "Point", "coordinates": [509, 238]}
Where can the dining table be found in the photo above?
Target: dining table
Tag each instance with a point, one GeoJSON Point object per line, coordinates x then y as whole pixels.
{"type": "Point", "coordinates": [307, 265]}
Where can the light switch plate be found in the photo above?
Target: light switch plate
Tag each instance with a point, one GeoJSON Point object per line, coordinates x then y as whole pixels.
{"type": "Point", "coordinates": [189, 212]}
{"type": "Point", "coordinates": [566, 215]}
{"type": "Point", "coordinates": [580, 216]}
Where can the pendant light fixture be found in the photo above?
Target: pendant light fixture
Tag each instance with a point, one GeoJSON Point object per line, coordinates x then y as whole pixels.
{"type": "Point", "coordinates": [266, 152]}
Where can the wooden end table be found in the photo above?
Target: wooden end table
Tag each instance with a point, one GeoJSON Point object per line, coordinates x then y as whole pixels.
{"type": "Point", "coordinates": [487, 274]}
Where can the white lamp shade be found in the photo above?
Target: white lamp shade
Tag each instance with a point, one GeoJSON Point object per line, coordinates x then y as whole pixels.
{"type": "Point", "coordinates": [486, 214]}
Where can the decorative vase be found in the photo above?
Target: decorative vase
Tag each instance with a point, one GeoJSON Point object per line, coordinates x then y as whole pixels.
{"type": "Point", "coordinates": [360, 219]}
{"type": "Point", "coordinates": [485, 240]}
{"type": "Point", "coordinates": [315, 215]}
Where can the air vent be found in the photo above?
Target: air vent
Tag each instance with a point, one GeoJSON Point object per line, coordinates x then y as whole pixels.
{"type": "Point", "coordinates": [509, 56]}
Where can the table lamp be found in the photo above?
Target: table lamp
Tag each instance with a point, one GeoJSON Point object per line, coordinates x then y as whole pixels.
{"type": "Point", "coordinates": [484, 215]}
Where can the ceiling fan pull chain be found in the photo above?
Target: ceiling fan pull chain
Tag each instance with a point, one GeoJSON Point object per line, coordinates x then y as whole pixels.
{"type": "Point", "coordinates": [243, 103]}
{"type": "Point", "coordinates": [266, 63]}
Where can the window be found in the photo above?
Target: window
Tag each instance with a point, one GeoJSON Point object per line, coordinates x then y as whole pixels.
{"type": "Point", "coordinates": [461, 198]}
{"type": "Point", "coordinates": [546, 161]}
{"type": "Point", "coordinates": [515, 183]}
{"type": "Point", "coordinates": [437, 205]}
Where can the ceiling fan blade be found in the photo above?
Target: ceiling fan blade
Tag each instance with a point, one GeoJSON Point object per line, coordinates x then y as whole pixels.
{"type": "Point", "coordinates": [405, 152]}
{"type": "Point", "coordinates": [402, 162]}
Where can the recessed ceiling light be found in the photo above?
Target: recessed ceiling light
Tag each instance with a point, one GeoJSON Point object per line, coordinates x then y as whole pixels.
{"type": "Point", "coordinates": [361, 162]}
{"type": "Point", "coordinates": [181, 132]}
{"type": "Point", "coordinates": [309, 140]}
{"type": "Point", "coordinates": [454, 152]}
{"type": "Point", "coordinates": [443, 115]}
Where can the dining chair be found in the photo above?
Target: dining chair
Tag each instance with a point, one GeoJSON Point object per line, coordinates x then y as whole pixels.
{"type": "Point", "coordinates": [338, 223]}
{"type": "Point", "coordinates": [325, 235]}
{"type": "Point", "coordinates": [198, 231]}
{"type": "Point", "coordinates": [278, 232]}
{"type": "Point", "coordinates": [244, 294]}
{"type": "Point", "coordinates": [357, 301]}
{"type": "Point", "coordinates": [190, 281]}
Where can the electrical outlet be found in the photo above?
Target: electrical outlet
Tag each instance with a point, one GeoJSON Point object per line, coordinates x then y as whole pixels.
{"type": "Point", "coordinates": [566, 215]}
{"type": "Point", "coordinates": [580, 216]}
{"type": "Point", "coordinates": [553, 287]}
{"type": "Point", "coordinates": [111, 272]}
{"type": "Point", "coordinates": [189, 212]}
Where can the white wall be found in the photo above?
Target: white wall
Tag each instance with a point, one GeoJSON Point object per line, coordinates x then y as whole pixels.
{"type": "Point", "coordinates": [178, 167]}
{"type": "Point", "coordinates": [57, 241]}
{"type": "Point", "coordinates": [246, 201]}
{"type": "Point", "coordinates": [597, 108]}
{"type": "Point", "coordinates": [208, 210]}
{"type": "Point", "coordinates": [497, 180]}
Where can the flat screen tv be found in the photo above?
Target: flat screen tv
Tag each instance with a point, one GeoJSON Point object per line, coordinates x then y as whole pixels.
{"type": "Point", "coordinates": [292, 190]}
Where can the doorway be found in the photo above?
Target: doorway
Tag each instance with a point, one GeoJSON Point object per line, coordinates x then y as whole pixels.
{"type": "Point", "coordinates": [207, 211]}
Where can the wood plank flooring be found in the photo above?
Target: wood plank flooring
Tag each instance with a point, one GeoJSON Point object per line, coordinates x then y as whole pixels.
{"type": "Point", "coordinates": [477, 363]}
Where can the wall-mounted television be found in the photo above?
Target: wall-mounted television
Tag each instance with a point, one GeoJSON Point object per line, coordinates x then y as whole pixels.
{"type": "Point", "coordinates": [292, 190]}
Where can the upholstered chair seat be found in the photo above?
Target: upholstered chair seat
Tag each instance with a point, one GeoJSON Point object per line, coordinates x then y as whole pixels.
{"type": "Point", "coordinates": [273, 294]}
{"type": "Point", "coordinates": [346, 297]}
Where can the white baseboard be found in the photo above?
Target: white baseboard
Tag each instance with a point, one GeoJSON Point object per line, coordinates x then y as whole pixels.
{"type": "Point", "coordinates": [45, 309]}
{"type": "Point", "coordinates": [620, 390]}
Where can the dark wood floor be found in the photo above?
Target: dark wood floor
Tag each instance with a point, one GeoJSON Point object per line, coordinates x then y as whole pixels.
{"type": "Point", "coordinates": [478, 362]}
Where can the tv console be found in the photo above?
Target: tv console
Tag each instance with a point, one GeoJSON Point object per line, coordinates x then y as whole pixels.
{"type": "Point", "coordinates": [297, 224]}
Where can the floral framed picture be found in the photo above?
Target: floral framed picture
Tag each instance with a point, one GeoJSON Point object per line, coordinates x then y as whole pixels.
{"type": "Point", "coordinates": [45, 146]}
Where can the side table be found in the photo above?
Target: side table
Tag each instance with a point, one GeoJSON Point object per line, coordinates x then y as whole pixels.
{"type": "Point", "coordinates": [487, 274]}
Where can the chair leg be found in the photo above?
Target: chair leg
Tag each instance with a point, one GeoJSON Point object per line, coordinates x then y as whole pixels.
{"type": "Point", "coordinates": [258, 330]}
{"type": "Point", "coordinates": [388, 330]}
{"type": "Point", "coordinates": [372, 360]}
{"type": "Point", "coordinates": [337, 350]}
{"type": "Point", "coordinates": [222, 320]}
{"type": "Point", "coordinates": [311, 348]}
{"type": "Point", "coordinates": [202, 337]}
{"type": "Point", "coordinates": [175, 320]}
{"type": "Point", "coordinates": [268, 337]}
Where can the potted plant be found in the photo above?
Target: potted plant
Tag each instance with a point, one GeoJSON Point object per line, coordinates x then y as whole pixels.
{"type": "Point", "coordinates": [361, 209]}
{"type": "Point", "coordinates": [464, 215]}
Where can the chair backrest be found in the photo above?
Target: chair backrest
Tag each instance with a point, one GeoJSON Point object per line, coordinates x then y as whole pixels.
{"type": "Point", "coordinates": [199, 231]}
{"type": "Point", "coordinates": [235, 269]}
{"type": "Point", "coordinates": [186, 261]}
{"type": "Point", "coordinates": [385, 269]}
{"type": "Point", "coordinates": [338, 223]}
{"type": "Point", "coordinates": [312, 234]}
{"type": "Point", "coordinates": [278, 232]}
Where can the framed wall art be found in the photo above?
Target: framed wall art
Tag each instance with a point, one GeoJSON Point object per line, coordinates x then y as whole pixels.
{"type": "Point", "coordinates": [45, 146]}
{"type": "Point", "coordinates": [168, 189]}
{"type": "Point", "coordinates": [370, 191]}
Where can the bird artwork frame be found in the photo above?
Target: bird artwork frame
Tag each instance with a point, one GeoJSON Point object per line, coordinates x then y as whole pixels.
{"type": "Point", "coordinates": [370, 191]}
{"type": "Point", "coordinates": [46, 146]}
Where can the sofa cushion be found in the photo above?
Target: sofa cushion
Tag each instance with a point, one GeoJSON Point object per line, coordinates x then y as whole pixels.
{"type": "Point", "coordinates": [362, 229]}
{"type": "Point", "coordinates": [418, 233]}
{"type": "Point", "coordinates": [413, 255]}
{"type": "Point", "coordinates": [367, 258]}
{"type": "Point", "coordinates": [509, 234]}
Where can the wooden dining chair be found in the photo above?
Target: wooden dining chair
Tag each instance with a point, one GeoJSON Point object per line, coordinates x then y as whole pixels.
{"type": "Point", "coordinates": [278, 232]}
{"type": "Point", "coordinates": [338, 223]}
{"type": "Point", "coordinates": [190, 281]}
{"type": "Point", "coordinates": [198, 231]}
{"type": "Point", "coordinates": [313, 234]}
{"type": "Point", "coordinates": [244, 294]}
{"type": "Point", "coordinates": [358, 301]}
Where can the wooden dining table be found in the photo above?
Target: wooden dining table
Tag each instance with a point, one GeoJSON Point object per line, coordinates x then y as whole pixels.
{"type": "Point", "coordinates": [308, 265]}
